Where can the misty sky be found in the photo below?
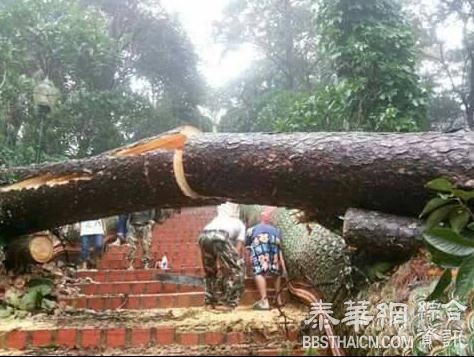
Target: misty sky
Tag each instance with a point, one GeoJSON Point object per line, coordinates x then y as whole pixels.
{"type": "Point", "coordinates": [198, 16]}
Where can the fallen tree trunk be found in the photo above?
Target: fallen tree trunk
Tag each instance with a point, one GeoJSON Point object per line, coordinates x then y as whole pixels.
{"type": "Point", "coordinates": [324, 173]}
{"type": "Point", "coordinates": [38, 248]}
{"type": "Point", "coordinates": [384, 236]}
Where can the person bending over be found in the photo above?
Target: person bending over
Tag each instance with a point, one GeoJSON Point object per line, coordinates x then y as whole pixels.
{"type": "Point", "coordinates": [222, 242]}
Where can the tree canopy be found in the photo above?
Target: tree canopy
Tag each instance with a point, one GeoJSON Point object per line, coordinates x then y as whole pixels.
{"type": "Point", "coordinates": [363, 69]}
{"type": "Point", "coordinates": [126, 69]}
{"type": "Point", "coordinates": [114, 64]}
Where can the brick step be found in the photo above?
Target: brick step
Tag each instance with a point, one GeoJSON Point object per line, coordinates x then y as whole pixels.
{"type": "Point", "coordinates": [111, 275]}
{"type": "Point", "coordinates": [184, 253]}
{"type": "Point", "coordinates": [136, 287]}
{"type": "Point", "coordinates": [175, 256]}
{"type": "Point", "coordinates": [151, 287]}
{"type": "Point", "coordinates": [150, 301]}
{"type": "Point", "coordinates": [183, 249]}
{"type": "Point", "coordinates": [157, 246]}
{"type": "Point", "coordinates": [186, 266]}
{"type": "Point", "coordinates": [127, 337]}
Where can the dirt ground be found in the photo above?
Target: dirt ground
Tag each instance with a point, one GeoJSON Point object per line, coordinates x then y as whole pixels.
{"type": "Point", "coordinates": [185, 319]}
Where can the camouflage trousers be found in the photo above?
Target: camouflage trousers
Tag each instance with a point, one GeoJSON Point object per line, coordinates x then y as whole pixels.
{"type": "Point", "coordinates": [138, 233]}
{"type": "Point", "coordinates": [224, 273]}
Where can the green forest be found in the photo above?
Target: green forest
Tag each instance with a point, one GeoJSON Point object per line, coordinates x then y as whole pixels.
{"type": "Point", "coordinates": [122, 70]}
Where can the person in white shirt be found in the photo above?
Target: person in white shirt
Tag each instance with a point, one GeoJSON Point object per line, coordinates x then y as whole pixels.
{"type": "Point", "coordinates": [222, 242]}
{"type": "Point", "coordinates": [91, 231]}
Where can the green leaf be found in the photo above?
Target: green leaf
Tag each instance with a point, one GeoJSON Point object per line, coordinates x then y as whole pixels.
{"type": "Point", "coordinates": [463, 194]}
{"type": "Point", "coordinates": [444, 260]}
{"type": "Point", "coordinates": [458, 219]}
{"type": "Point", "coordinates": [30, 300]}
{"type": "Point", "coordinates": [449, 242]}
{"type": "Point", "coordinates": [471, 226]}
{"type": "Point", "coordinates": [43, 289]}
{"type": "Point", "coordinates": [433, 204]}
{"type": "Point", "coordinates": [441, 286]}
{"type": "Point", "coordinates": [440, 184]}
{"type": "Point", "coordinates": [465, 278]}
{"type": "Point", "coordinates": [437, 216]}
{"type": "Point", "coordinates": [41, 281]}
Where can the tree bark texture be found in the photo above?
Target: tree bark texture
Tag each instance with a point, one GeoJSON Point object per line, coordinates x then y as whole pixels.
{"type": "Point", "coordinates": [92, 188]}
{"type": "Point", "coordinates": [382, 235]}
{"type": "Point", "coordinates": [323, 173]}
{"type": "Point", "coordinates": [327, 173]}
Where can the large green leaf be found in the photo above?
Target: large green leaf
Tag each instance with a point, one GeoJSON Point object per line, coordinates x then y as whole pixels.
{"type": "Point", "coordinates": [465, 278]}
{"type": "Point", "coordinates": [458, 219]}
{"type": "Point", "coordinates": [438, 215]}
{"type": "Point", "coordinates": [434, 204]}
{"type": "Point", "coordinates": [449, 242]}
{"type": "Point", "coordinates": [441, 184]}
{"type": "Point", "coordinates": [444, 260]}
{"type": "Point", "coordinates": [441, 286]}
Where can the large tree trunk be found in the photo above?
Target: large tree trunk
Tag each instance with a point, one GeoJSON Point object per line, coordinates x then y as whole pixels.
{"type": "Point", "coordinates": [384, 236]}
{"type": "Point", "coordinates": [327, 173]}
{"type": "Point", "coordinates": [324, 173]}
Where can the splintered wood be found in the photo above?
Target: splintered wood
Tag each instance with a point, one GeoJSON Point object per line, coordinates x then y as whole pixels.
{"type": "Point", "coordinates": [45, 180]}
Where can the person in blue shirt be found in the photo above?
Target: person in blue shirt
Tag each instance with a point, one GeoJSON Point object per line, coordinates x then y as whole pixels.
{"type": "Point", "coordinates": [264, 243]}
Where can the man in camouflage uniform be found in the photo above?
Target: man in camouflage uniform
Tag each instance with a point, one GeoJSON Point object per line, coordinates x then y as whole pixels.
{"type": "Point", "coordinates": [140, 228]}
{"type": "Point", "coordinates": [222, 242]}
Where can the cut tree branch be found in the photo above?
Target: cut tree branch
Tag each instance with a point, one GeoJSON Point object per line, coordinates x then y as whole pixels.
{"type": "Point", "coordinates": [385, 236]}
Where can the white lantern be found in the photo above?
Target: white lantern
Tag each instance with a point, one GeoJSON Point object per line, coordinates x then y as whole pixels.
{"type": "Point", "coordinates": [45, 94]}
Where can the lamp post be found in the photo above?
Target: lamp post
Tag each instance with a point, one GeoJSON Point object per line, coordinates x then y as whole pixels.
{"type": "Point", "coordinates": [45, 96]}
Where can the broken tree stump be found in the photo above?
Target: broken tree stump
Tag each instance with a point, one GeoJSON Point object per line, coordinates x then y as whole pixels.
{"type": "Point", "coordinates": [31, 249]}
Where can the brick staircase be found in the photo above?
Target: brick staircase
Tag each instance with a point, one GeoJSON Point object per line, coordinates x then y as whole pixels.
{"type": "Point", "coordinates": [177, 236]}
{"type": "Point", "coordinates": [112, 287]}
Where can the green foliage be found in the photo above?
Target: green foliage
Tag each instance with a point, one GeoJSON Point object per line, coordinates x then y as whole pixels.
{"type": "Point", "coordinates": [378, 270]}
{"type": "Point", "coordinates": [115, 65]}
{"type": "Point", "coordinates": [449, 235]}
{"type": "Point", "coordinates": [372, 50]}
{"type": "Point", "coordinates": [268, 111]}
{"type": "Point", "coordinates": [37, 296]}
{"type": "Point", "coordinates": [284, 33]}
{"type": "Point", "coordinates": [364, 76]}
{"type": "Point", "coordinates": [332, 109]}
